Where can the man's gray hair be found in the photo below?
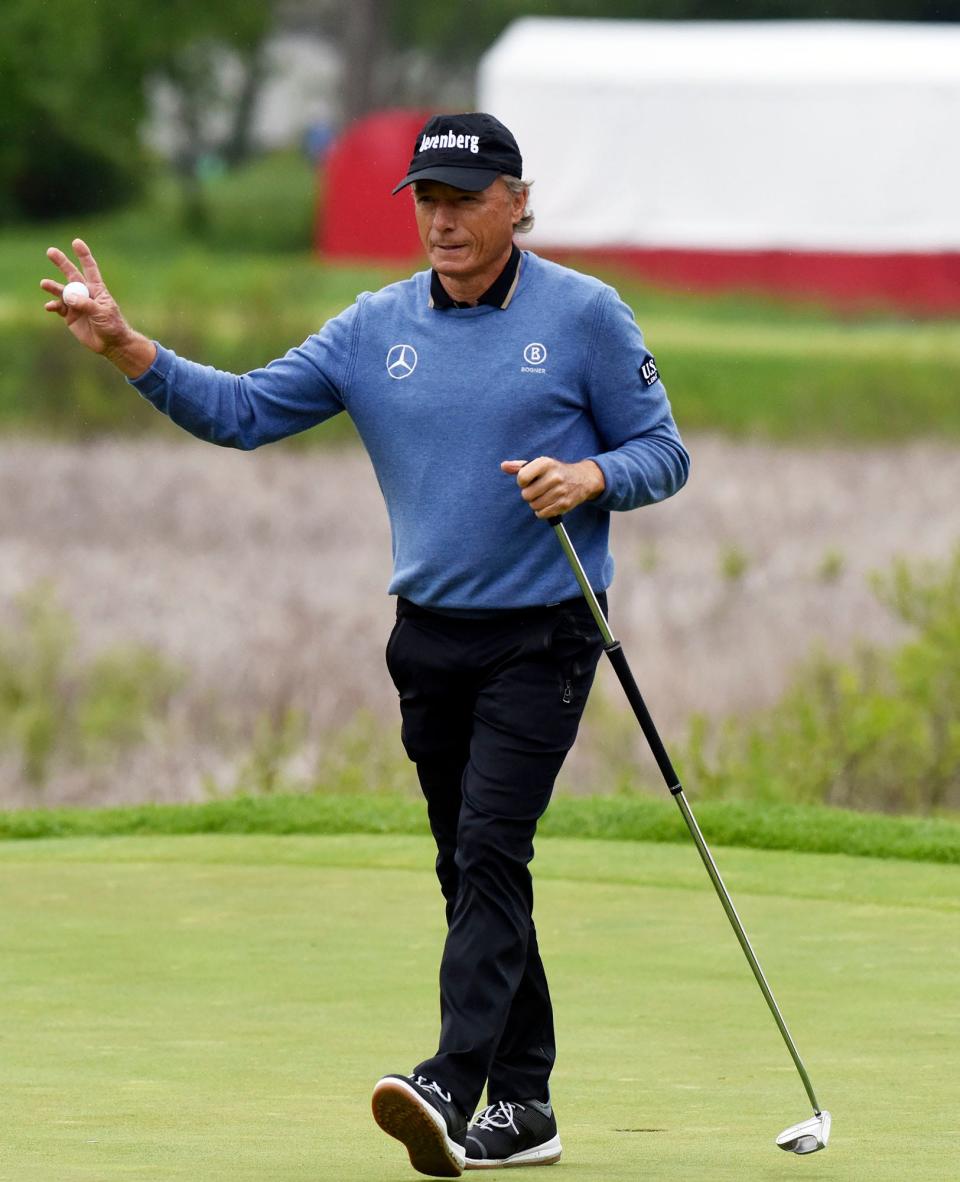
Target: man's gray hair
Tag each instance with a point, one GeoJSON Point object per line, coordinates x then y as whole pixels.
{"type": "Point", "coordinates": [515, 185]}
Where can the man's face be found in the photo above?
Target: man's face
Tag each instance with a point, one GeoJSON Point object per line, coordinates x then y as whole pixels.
{"type": "Point", "coordinates": [463, 233]}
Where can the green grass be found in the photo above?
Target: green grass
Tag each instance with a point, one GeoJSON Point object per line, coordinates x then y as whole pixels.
{"type": "Point", "coordinates": [740, 364]}
{"type": "Point", "coordinates": [809, 828]}
{"type": "Point", "coordinates": [216, 1009]}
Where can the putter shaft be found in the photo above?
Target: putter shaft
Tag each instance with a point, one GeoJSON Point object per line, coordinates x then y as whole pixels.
{"type": "Point", "coordinates": [615, 653]}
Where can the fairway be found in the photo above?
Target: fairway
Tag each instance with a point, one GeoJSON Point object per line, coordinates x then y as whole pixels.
{"type": "Point", "coordinates": [217, 1008]}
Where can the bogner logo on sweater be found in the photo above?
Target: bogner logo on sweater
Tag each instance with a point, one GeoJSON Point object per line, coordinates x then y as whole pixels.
{"type": "Point", "coordinates": [401, 361]}
{"type": "Point", "coordinates": [534, 355]}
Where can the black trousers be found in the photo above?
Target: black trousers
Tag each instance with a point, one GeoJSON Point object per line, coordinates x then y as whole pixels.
{"type": "Point", "coordinates": [490, 709]}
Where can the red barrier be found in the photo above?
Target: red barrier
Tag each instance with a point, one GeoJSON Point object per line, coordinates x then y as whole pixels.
{"type": "Point", "coordinates": [357, 218]}
{"type": "Point", "coordinates": [926, 283]}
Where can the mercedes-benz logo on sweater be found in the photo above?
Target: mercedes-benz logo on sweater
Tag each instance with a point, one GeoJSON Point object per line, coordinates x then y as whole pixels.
{"type": "Point", "coordinates": [401, 361]}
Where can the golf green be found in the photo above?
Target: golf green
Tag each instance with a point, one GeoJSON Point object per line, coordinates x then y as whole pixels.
{"type": "Point", "coordinates": [218, 1008]}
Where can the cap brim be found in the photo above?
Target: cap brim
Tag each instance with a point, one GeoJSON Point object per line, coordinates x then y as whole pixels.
{"type": "Point", "coordinates": [470, 179]}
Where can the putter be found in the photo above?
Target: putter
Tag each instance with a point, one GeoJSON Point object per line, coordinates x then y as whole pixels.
{"type": "Point", "coordinates": [810, 1135]}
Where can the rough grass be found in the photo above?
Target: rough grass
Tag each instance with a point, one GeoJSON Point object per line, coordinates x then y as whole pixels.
{"type": "Point", "coordinates": [823, 383]}
{"type": "Point", "coordinates": [262, 579]}
{"type": "Point", "coordinates": [807, 828]}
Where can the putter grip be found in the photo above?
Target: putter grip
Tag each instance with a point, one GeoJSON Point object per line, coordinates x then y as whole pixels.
{"type": "Point", "coordinates": [635, 698]}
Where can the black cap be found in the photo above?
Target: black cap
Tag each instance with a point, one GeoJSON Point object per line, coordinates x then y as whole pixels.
{"type": "Point", "coordinates": [466, 151]}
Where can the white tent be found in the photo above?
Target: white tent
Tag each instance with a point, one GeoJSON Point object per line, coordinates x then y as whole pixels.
{"type": "Point", "coordinates": [788, 135]}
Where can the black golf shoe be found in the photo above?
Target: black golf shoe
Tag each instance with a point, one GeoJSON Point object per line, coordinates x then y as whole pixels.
{"type": "Point", "coordinates": [423, 1116]}
{"type": "Point", "coordinates": [508, 1134]}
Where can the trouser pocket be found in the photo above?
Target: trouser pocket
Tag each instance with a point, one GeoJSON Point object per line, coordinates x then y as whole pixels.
{"type": "Point", "coordinates": [576, 647]}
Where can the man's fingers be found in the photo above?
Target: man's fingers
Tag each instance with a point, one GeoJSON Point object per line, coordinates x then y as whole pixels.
{"type": "Point", "coordinates": [88, 272]}
{"type": "Point", "coordinates": [52, 287]}
{"type": "Point", "coordinates": [543, 485]}
{"type": "Point", "coordinates": [550, 506]}
{"type": "Point", "coordinates": [89, 264]}
{"type": "Point", "coordinates": [66, 265]}
{"type": "Point", "coordinates": [532, 471]}
{"type": "Point", "coordinates": [511, 467]}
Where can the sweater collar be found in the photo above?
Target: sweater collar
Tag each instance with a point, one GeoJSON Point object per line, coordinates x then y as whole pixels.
{"type": "Point", "coordinates": [498, 294]}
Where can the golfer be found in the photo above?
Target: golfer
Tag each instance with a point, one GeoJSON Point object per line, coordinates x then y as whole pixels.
{"type": "Point", "coordinates": [492, 391]}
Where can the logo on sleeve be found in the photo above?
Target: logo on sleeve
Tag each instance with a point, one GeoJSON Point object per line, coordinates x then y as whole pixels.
{"type": "Point", "coordinates": [648, 371]}
{"type": "Point", "coordinates": [401, 361]}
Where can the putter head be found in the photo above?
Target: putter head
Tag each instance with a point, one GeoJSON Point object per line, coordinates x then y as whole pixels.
{"type": "Point", "coordinates": [808, 1136]}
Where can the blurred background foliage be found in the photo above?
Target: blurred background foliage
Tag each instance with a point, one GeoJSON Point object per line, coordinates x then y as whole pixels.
{"type": "Point", "coordinates": [876, 730]}
{"type": "Point", "coordinates": [58, 710]}
{"type": "Point", "coordinates": [75, 92]}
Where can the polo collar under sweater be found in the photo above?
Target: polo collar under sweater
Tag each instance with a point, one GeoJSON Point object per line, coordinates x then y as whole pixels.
{"type": "Point", "coordinates": [498, 294]}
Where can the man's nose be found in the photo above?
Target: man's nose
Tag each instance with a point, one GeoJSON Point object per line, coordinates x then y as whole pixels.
{"type": "Point", "coordinates": [444, 216]}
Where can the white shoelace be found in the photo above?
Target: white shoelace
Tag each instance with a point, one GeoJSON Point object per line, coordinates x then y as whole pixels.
{"type": "Point", "coordinates": [498, 1116]}
{"type": "Point", "coordinates": [430, 1085]}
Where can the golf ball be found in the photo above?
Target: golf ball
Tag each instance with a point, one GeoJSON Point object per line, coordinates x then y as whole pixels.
{"type": "Point", "coordinates": [75, 292]}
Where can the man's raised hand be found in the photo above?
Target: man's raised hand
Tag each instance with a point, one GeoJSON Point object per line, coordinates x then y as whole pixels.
{"type": "Point", "coordinates": [96, 321]}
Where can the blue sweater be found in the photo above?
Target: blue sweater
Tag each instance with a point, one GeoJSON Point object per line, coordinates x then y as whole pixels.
{"type": "Point", "coordinates": [440, 397]}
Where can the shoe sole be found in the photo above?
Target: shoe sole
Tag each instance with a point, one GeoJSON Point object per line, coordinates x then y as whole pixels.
{"type": "Point", "coordinates": [402, 1113]}
{"type": "Point", "coordinates": [547, 1154]}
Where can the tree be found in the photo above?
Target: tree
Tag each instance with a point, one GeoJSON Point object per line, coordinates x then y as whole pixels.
{"type": "Point", "coordinates": [74, 91]}
{"type": "Point", "coordinates": [72, 103]}
{"type": "Point", "coordinates": [193, 47]}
